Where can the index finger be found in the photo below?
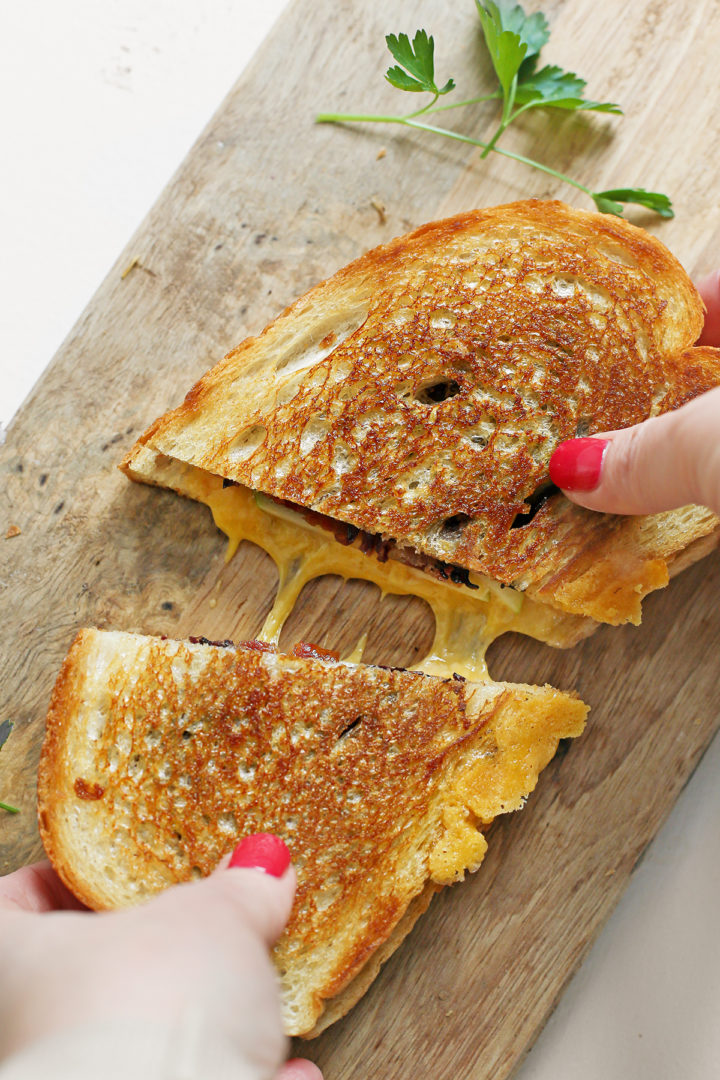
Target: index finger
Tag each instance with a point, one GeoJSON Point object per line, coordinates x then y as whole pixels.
{"type": "Point", "coordinates": [709, 289]}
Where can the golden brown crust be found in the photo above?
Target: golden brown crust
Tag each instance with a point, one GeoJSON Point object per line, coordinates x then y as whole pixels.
{"type": "Point", "coordinates": [65, 744]}
{"type": "Point", "coordinates": [419, 392]}
{"type": "Point", "coordinates": [336, 1007]}
{"type": "Point", "coordinates": [376, 779]}
{"type": "Point", "coordinates": [611, 563]}
{"type": "Point", "coordinates": [63, 705]}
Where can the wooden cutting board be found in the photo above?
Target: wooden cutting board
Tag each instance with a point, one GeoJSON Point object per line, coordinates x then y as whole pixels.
{"type": "Point", "coordinates": [266, 204]}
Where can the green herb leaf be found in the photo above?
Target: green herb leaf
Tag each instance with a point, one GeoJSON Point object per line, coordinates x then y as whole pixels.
{"type": "Point", "coordinates": [607, 206]}
{"type": "Point", "coordinates": [5, 729]}
{"type": "Point", "coordinates": [532, 29]}
{"type": "Point", "coordinates": [551, 82]}
{"type": "Point", "coordinates": [507, 49]}
{"type": "Point", "coordinates": [399, 78]}
{"type": "Point", "coordinates": [418, 61]}
{"type": "Point", "coordinates": [554, 88]}
{"type": "Point", "coordinates": [610, 202]}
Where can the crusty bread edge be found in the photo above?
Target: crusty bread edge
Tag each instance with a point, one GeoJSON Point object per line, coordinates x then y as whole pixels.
{"type": "Point", "coordinates": [609, 581]}
{"type": "Point", "coordinates": [335, 1008]}
{"type": "Point", "coordinates": [68, 705]}
{"type": "Point", "coordinates": [51, 787]}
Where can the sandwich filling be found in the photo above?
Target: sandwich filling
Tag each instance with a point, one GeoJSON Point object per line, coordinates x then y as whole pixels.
{"type": "Point", "coordinates": [468, 616]}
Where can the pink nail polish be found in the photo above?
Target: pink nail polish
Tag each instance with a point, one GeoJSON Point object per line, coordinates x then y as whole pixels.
{"type": "Point", "coordinates": [261, 851]}
{"type": "Point", "coordinates": [576, 464]}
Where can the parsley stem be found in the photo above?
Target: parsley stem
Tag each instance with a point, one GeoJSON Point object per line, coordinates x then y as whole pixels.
{"type": "Point", "coordinates": [9, 809]}
{"type": "Point", "coordinates": [342, 118]}
{"type": "Point", "coordinates": [507, 116]}
{"type": "Point", "coordinates": [431, 107]}
{"type": "Point", "coordinates": [462, 104]}
{"type": "Point", "coordinates": [499, 150]}
{"type": "Point", "coordinates": [411, 121]}
{"type": "Point", "coordinates": [425, 108]}
{"type": "Point", "coordinates": [491, 145]}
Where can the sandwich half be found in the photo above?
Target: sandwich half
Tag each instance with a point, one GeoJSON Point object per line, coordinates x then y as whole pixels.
{"type": "Point", "coordinates": [408, 407]}
{"type": "Point", "coordinates": [160, 755]}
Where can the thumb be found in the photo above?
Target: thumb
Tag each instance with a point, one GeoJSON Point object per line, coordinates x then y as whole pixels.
{"type": "Point", "coordinates": [668, 461]}
{"type": "Point", "coordinates": [259, 882]}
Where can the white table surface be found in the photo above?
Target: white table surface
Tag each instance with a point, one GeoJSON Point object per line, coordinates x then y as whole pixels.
{"type": "Point", "coordinates": [101, 99]}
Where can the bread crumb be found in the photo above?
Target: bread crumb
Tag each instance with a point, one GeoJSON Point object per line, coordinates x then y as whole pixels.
{"type": "Point", "coordinates": [14, 530]}
{"type": "Point", "coordinates": [212, 602]}
{"type": "Point", "coordinates": [130, 266]}
{"type": "Point", "coordinates": [381, 153]}
{"type": "Point", "coordinates": [377, 205]}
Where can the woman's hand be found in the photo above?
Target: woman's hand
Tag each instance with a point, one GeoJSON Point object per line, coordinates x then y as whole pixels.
{"type": "Point", "coordinates": [190, 966]}
{"type": "Point", "coordinates": [665, 462]}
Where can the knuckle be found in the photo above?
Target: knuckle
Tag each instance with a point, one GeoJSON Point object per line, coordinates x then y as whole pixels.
{"type": "Point", "coordinates": [698, 451]}
{"type": "Point", "coordinates": [255, 900]}
{"type": "Point", "coordinates": [708, 478]}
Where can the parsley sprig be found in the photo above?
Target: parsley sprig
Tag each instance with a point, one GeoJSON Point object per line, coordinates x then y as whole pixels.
{"type": "Point", "coordinates": [5, 729]}
{"type": "Point", "coordinates": [417, 60]}
{"type": "Point", "coordinates": [514, 40]}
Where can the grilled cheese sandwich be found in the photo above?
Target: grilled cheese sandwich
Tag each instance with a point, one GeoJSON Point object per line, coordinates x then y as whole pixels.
{"type": "Point", "coordinates": [418, 394]}
{"type": "Point", "coordinates": [159, 755]}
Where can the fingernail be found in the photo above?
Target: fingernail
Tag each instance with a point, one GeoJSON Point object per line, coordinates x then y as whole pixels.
{"type": "Point", "coordinates": [261, 851]}
{"type": "Point", "coordinates": [576, 464]}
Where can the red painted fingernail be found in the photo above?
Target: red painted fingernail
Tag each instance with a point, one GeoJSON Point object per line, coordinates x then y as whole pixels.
{"type": "Point", "coordinates": [576, 464]}
{"type": "Point", "coordinates": [262, 851]}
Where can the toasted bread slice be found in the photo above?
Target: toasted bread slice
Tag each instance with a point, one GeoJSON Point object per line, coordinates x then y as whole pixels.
{"type": "Point", "coordinates": [419, 393]}
{"type": "Point", "coordinates": [160, 755]}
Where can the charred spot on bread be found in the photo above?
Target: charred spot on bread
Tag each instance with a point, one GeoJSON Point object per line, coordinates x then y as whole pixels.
{"type": "Point", "coordinates": [535, 502]}
{"type": "Point", "coordinates": [454, 525]}
{"type": "Point", "coordinates": [226, 644]}
{"type": "Point", "coordinates": [437, 391]}
{"type": "Point", "coordinates": [258, 646]}
{"type": "Point", "coordinates": [88, 790]}
{"type": "Point", "coordinates": [350, 728]}
{"type": "Point", "coordinates": [309, 651]}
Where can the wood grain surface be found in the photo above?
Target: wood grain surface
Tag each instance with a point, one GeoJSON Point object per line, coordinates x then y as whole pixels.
{"type": "Point", "coordinates": [266, 204]}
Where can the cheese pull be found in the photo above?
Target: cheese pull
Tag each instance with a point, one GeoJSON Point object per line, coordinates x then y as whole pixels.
{"type": "Point", "coordinates": [467, 620]}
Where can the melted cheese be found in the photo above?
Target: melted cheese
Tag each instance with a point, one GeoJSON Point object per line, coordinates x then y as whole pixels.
{"type": "Point", "coordinates": [466, 621]}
